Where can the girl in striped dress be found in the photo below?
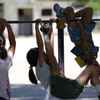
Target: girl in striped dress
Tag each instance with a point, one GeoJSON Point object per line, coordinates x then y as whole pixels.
{"type": "Point", "coordinates": [80, 32]}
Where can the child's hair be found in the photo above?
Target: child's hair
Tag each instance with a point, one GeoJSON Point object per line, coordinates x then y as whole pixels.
{"type": "Point", "coordinates": [32, 58]}
{"type": "Point", "coordinates": [3, 51]}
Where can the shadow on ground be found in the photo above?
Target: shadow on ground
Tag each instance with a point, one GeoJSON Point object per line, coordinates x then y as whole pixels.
{"type": "Point", "coordinates": [27, 92]}
{"type": "Point", "coordinates": [36, 92]}
{"type": "Point", "coordinates": [89, 93]}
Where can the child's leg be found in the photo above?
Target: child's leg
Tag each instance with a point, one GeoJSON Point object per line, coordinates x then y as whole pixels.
{"type": "Point", "coordinates": [85, 14]}
{"type": "Point", "coordinates": [90, 72]}
{"type": "Point", "coordinates": [69, 12]}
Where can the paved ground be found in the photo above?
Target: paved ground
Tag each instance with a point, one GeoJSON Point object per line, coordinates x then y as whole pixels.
{"type": "Point", "coordinates": [22, 89]}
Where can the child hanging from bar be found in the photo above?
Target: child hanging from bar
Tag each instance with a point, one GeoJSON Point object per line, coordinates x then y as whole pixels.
{"type": "Point", "coordinates": [50, 74]}
{"type": "Point", "coordinates": [80, 32]}
{"type": "Point", "coordinates": [6, 57]}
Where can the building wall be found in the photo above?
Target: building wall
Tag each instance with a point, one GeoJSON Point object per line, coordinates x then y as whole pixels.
{"type": "Point", "coordinates": [11, 10]}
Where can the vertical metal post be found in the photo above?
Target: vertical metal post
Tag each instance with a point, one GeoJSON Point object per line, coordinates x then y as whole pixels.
{"type": "Point", "coordinates": [61, 25]}
{"type": "Point", "coordinates": [61, 48]}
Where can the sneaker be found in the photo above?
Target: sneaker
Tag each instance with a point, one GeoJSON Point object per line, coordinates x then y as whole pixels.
{"type": "Point", "coordinates": [99, 97]}
{"type": "Point", "coordinates": [45, 28]}
{"type": "Point", "coordinates": [57, 10]}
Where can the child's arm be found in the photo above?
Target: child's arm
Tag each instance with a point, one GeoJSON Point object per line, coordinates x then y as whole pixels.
{"type": "Point", "coordinates": [51, 35]}
{"type": "Point", "coordinates": [83, 37]}
{"type": "Point", "coordinates": [11, 36]}
{"type": "Point", "coordinates": [39, 43]}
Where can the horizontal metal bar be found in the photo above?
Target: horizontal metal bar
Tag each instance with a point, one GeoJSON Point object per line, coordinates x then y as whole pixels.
{"type": "Point", "coordinates": [96, 19]}
{"type": "Point", "coordinates": [35, 21]}
{"type": "Point", "coordinates": [27, 21]}
{"type": "Point", "coordinates": [77, 19]}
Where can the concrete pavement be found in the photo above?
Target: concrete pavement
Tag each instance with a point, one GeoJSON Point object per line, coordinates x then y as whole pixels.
{"type": "Point", "coordinates": [22, 89]}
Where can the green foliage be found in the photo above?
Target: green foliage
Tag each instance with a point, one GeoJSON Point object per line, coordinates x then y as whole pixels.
{"type": "Point", "coordinates": [82, 0]}
{"type": "Point", "coordinates": [95, 4]}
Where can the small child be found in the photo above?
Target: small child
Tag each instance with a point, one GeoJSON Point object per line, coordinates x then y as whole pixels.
{"type": "Point", "coordinates": [6, 57]}
{"type": "Point", "coordinates": [80, 32]}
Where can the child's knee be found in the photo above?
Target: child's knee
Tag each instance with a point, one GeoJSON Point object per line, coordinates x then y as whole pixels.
{"type": "Point", "coordinates": [89, 10]}
{"type": "Point", "coordinates": [69, 11]}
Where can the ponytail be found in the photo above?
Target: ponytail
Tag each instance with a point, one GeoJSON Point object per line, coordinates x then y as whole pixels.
{"type": "Point", "coordinates": [32, 58]}
{"type": "Point", "coordinates": [3, 53]}
{"type": "Point", "coordinates": [32, 76]}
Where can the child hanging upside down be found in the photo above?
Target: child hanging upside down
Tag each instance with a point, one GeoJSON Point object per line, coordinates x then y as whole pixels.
{"type": "Point", "coordinates": [80, 32]}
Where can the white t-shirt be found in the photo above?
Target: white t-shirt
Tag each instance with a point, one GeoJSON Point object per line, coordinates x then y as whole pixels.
{"type": "Point", "coordinates": [4, 79]}
{"type": "Point", "coordinates": [43, 74]}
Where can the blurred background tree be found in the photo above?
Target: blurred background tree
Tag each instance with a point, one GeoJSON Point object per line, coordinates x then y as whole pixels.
{"type": "Point", "coordinates": [80, 3]}
{"type": "Point", "coordinates": [95, 4]}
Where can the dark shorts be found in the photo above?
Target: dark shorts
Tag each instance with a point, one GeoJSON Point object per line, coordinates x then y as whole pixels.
{"type": "Point", "coordinates": [64, 88]}
{"type": "Point", "coordinates": [74, 33]}
{"type": "Point", "coordinates": [1, 98]}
